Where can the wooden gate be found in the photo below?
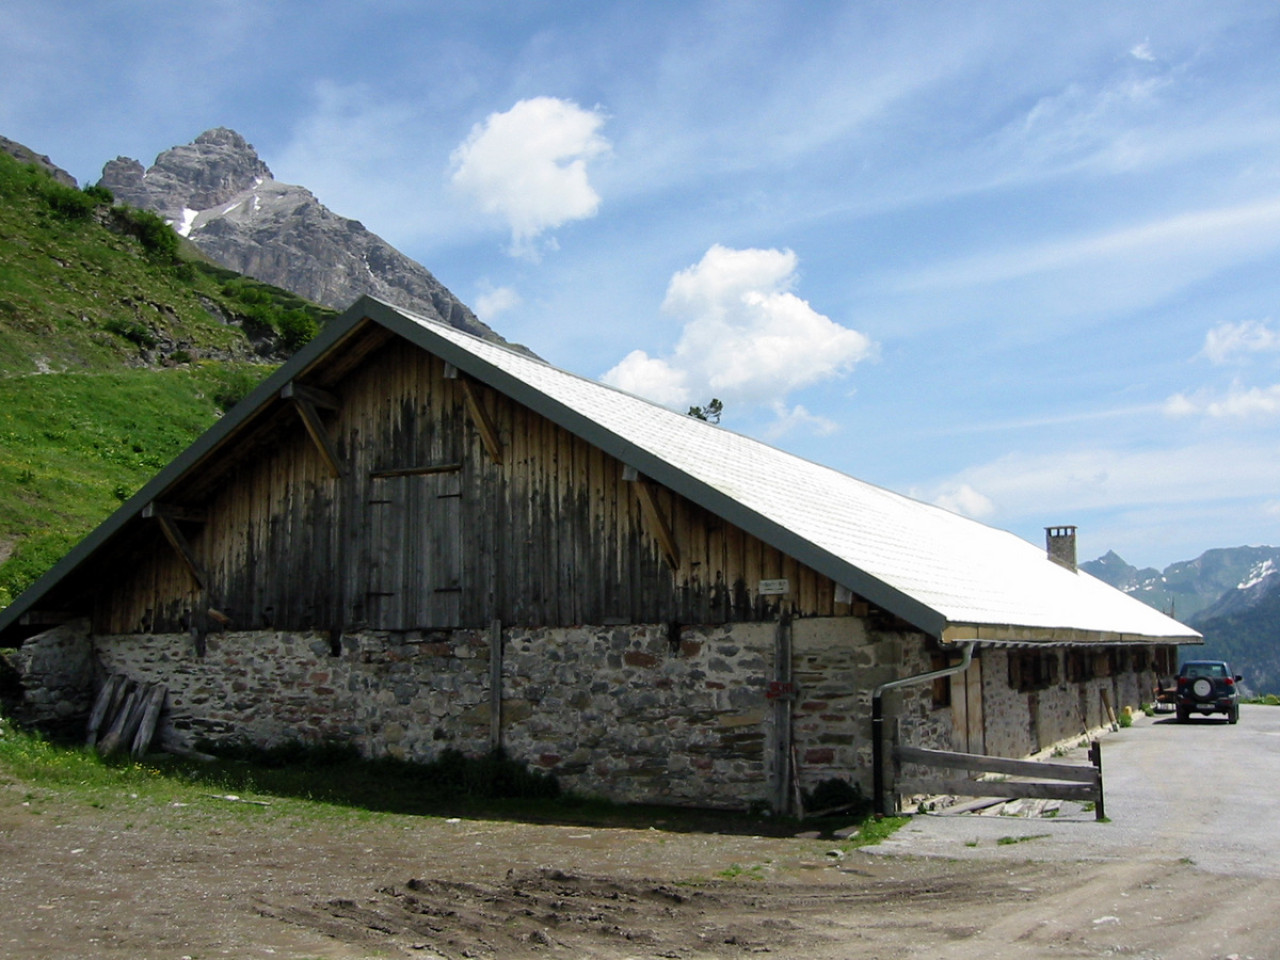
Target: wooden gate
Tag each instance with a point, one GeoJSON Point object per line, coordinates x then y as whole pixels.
{"type": "Point", "coordinates": [1060, 781]}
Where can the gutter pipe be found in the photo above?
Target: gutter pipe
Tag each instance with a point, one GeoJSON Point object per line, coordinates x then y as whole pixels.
{"type": "Point", "coordinates": [877, 717]}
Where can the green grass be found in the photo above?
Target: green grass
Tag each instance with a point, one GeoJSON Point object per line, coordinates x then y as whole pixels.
{"type": "Point", "coordinates": [325, 783]}
{"type": "Point", "coordinates": [737, 871]}
{"type": "Point", "coordinates": [73, 447]}
{"type": "Point", "coordinates": [1008, 841]}
{"type": "Point", "coordinates": [119, 345]}
{"type": "Point", "coordinates": [85, 285]}
{"type": "Point", "coordinates": [873, 830]}
{"type": "Point", "coordinates": [1267, 700]}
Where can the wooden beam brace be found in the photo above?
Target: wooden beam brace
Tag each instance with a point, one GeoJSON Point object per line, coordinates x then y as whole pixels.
{"type": "Point", "coordinates": [313, 395]}
{"type": "Point", "coordinates": [179, 543]}
{"type": "Point", "coordinates": [319, 435]}
{"type": "Point", "coordinates": [423, 470]}
{"type": "Point", "coordinates": [173, 512]}
{"type": "Point", "coordinates": [657, 521]}
{"type": "Point", "coordinates": [480, 417]}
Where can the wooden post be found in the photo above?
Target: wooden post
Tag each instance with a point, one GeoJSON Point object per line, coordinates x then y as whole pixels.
{"type": "Point", "coordinates": [1095, 757]}
{"type": "Point", "coordinates": [495, 685]}
{"type": "Point", "coordinates": [782, 754]}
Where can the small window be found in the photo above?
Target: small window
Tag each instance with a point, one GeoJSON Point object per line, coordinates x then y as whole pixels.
{"type": "Point", "coordinates": [1033, 670]}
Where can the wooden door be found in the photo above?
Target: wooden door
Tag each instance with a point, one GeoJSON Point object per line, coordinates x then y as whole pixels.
{"type": "Point", "coordinates": [415, 544]}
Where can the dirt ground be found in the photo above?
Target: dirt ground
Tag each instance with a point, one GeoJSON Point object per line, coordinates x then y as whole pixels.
{"type": "Point", "coordinates": [224, 878]}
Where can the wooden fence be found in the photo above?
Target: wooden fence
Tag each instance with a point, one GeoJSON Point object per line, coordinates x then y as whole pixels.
{"type": "Point", "coordinates": [1060, 781]}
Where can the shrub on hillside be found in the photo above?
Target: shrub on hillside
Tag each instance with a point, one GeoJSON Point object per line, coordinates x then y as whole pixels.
{"type": "Point", "coordinates": [150, 230]}
{"type": "Point", "coordinates": [297, 328]}
{"type": "Point", "coordinates": [67, 202]}
{"type": "Point", "coordinates": [100, 195]}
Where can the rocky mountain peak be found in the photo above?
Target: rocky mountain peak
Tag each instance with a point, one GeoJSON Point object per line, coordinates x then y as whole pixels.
{"type": "Point", "coordinates": [209, 171]}
{"type": "Point", "coordinates": [218, 193]}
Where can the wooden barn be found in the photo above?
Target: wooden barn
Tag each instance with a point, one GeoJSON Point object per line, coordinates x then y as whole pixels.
{"type": "Point", "coordinates": [411, 539]}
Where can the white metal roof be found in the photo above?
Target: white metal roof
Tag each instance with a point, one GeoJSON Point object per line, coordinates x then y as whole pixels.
{"type": "Point", "coordinates": [911, 557]}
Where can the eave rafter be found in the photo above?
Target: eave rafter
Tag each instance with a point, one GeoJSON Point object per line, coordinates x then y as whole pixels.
{"type": "Point", "coordinates": [168, 516]}
{"type": "Point", "coordinates": [646, 493]}
{"type": "Point", "coordinates": [306, 400]}
{"type": "Point", "coordinates": [479, 415]}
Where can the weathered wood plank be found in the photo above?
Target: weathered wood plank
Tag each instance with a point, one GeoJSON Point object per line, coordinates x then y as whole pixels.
{"type": "Point", "coordinates": [123, 724]}
{"type": "Point", "coordinates": [656, 520]}
{"type": "Point", "coordinates": [177, 539]}
{"type": "Point", "coordinates": [418, 471]}
{"type": "Point", "coordinates": [480, 418]}
{"type": "Point", "coordinates": [1006, 765]}
{"type": "Point", "coordinates": [319, 435]}
{"type": "Point", "coordinates": [101, 704]}
{"type": "Point", "coordinates": [1039, 790]}
{"type": "Point", "coordinates": [152, 706]}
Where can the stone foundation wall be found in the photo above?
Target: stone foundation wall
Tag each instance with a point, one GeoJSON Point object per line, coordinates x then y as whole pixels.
{"type": "Point", "coordinates": [632, 713]}
{"type": "Point", "coordinates": [625, 712]}
{"type": "Point", "coordinates": [48, 682]}
{"type": "Point", "coordinates": [838, 663]}
{"type": "Point", "coordinates": [1019, 724]}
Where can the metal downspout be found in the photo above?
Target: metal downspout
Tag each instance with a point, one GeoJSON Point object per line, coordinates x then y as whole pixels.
{"type": "Point", "coordinates": [877, 717]}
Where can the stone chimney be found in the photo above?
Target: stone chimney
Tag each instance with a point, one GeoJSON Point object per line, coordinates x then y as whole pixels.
{"type": "Point", "coordinates": [1061, 543]}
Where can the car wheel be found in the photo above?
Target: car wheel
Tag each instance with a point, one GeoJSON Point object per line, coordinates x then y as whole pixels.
{"type": "Point", "coordinates": [1183, 714]}
{"type": "Point", "coordinates": [1233, 715]}
{"type": "Point", "coordinates": [1202, 688]}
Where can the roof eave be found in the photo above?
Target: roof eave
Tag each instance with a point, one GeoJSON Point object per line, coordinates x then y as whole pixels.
{"type": "Point", "coordinates": [992, 634]}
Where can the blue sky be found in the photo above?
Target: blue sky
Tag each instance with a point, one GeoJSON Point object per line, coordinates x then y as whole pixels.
{"type": "Point", "coordinates": [1016, 258]}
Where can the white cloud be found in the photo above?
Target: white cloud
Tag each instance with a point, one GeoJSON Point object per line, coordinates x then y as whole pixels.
{"type": "Point", "coordinates": [1228, 341]}
{"type": "Point", "coordinates": [1239, 402]}
{"type": "Point", "coordinates": [1068, 482]}
{"type": "Point", "coordinates": [651, 377]}
{"type": "Point", "coordinates": [1142, 51]}
{"type": "Point", "coordinates": [529, 166]}
{"type": "Point", "coordinates": [796, 419]}
{"type": "Point", "coordinates": [493, 301]}
{"type": "Point", "coordinates": [965, 500]}
{"type": "Point", "coordinates": [1121, 269]}
{"type": "Point", "coordinates": [747, 339]}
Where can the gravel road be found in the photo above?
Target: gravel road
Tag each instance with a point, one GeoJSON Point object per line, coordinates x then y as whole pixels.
{"type": "Point", "coordinates": [1203, 792]}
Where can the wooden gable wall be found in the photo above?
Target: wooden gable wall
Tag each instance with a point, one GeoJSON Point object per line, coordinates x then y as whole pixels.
{"type": "Point", "coordinates": [433, 526]}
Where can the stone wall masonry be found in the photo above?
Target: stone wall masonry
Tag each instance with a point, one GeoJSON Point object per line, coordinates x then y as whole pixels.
{"type": "Point", "coordinates": [633, 713]}
{"type": "Point", "coordinates": [1020, 724]}
{"type": "Point", "coordinates": [637, 713]}
{"type": "Point", "coordinates": [625, 712]}
{"type": "Point", "coordinates": [49, 679]}
{"type": "Point", "coordinates": [838, 664]}
{"type": "Point", "coordinates": [619, 712]}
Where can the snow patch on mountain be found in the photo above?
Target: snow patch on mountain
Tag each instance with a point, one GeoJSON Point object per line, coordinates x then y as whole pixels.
{"type": "Point", "coordinates": [1259, 573]}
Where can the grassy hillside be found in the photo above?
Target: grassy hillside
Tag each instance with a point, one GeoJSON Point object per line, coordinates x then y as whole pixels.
{"type": "Point", "coordinates": [118, 346]}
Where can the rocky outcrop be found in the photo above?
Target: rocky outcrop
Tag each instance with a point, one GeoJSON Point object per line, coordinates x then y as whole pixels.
{"type": "Point", "coordinates": [27, 155]}
{"type": "Point", "coordinates": [219, 194]}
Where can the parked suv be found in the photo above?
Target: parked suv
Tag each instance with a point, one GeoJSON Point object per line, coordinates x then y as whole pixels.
{"type": "Point", "coordinates": [1207, 686]}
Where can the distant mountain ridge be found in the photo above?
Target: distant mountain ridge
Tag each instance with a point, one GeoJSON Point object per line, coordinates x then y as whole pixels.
{"type": "Point", "coordinates": [1185, 588]}
{"type": "Point", "coordinates": [1231, 595]}
{"type": "Point", "coordinates": [219, 194]}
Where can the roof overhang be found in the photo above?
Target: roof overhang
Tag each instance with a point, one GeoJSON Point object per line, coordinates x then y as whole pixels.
{"type": "Point", "coordinates": [993, 635]}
